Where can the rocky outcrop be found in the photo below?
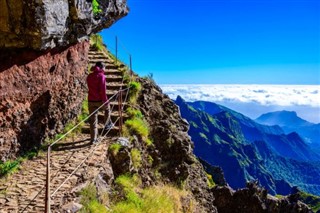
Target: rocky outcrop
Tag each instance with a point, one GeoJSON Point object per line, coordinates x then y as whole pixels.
{"type": "Point", "coordinates": [39, 97]}
{"type": "Point", "coordinates": [171, 151]}
{"type": "Point", "coordinates": [43, 24]}
{"type": "Point", "coordinates": [254, 199]}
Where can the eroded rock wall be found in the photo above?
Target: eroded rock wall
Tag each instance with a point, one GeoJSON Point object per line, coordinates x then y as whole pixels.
{"type": "Point", "coordinates": [39, 95]}
{"type": "Point", "coordinates": [43, 58]}
{"type": "Point", "coordinates": [43, 24]}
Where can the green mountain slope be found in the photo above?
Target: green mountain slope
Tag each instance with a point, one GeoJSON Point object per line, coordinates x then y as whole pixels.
{"type": "Point", "coordinates": [219, 139]}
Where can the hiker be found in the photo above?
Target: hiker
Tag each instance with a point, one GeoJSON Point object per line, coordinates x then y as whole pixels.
{"type": "Point", "coordinates": [96, 97]}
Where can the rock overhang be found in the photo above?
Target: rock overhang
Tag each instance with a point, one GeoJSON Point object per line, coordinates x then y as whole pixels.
{"type": "Point", "coordinates": [46, 24]}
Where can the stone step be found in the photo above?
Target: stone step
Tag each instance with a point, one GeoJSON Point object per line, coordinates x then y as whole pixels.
{"type": "Point", "coordinates": [107, 65]}
{"type": "Point", "coordinates": [115, 105]}
{"type": "Point", "coordinates": [113, 71]}
{"type": "Point", "coordinates": [112, 132]}
{"type": "Point", "coordinates": [104, 60]}
{"type": "Point", "coordinates": [115, 86]}
{"type": "Point", "coordinates": [112, 78]}
{"type": "Point", "coordinates": [95, 52]}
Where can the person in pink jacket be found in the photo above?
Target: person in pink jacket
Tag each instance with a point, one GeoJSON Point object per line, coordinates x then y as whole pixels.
{"type": "Point", "coordinates": [96, 81]}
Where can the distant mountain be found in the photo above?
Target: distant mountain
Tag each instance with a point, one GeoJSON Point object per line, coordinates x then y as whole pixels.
{"type": "Point", "coordinates": [283, 118]}
{"type": "Point", "coordinates": [290, 146]}
{"type": "Point", "coordinates": [291, 122]}
{"type": "Point", "coordinates": [222, 139]}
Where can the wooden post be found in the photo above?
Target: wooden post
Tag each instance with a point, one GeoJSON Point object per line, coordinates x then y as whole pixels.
{"type": "Point", "coordinates": [47, 197]}
{"type": "Point", "coordinates": [116, 50]}
{"type": "Point", "coordinates": [131, 66]}
{"type": "Point", "coordinates": [120, 112]}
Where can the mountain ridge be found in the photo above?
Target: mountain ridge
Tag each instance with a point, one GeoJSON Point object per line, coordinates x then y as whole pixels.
{"type": "Point", "coordinates": [291, 122]}
{"type": "Point", "coordinates": [218, 145]}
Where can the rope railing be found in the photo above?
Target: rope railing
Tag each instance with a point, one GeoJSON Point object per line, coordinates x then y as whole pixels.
{"type": "Point", "coordinates": [103, 134]}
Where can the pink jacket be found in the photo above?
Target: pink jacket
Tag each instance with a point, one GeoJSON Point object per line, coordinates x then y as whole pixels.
{"type": "Point", "coordinates": [97, 85]}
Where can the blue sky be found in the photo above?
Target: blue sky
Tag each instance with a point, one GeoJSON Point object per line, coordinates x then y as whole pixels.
{"type": "Point", "coordinates": [222, 41]}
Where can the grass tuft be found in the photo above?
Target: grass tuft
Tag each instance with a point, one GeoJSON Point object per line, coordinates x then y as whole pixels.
{"type": "Point", "coordinates": [155, 199]}
{"type": "Point", "coordinates": [89, 200]}
{"type": "Point", "coordinates": [136, 158]}
{"type": "Point", "coordinates": [138, 127]}
{"type": "Point", "coordinates": [96, 8]}
{"type": "Point", "coordinates": [210, 181]}
{"type": "Point", "coordinates": [135, 88]}
{"type": "Point", "coordinates": [114, 148]}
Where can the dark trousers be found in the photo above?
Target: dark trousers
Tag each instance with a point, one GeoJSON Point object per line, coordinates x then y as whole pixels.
{"type": "Point", "coordinates": [94, 118]}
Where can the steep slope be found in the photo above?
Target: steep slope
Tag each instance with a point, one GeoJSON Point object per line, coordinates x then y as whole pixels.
{"type": "Point", "coordinates": [220, 141]}
{"type": "Point", "coordinates": [291, 122]}
{"type": "Point", "coordinates": [289, 146]}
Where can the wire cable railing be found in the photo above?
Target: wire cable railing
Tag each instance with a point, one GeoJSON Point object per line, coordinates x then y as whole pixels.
{"type": "Point", "coordinates": [102, 136]}
{"type": "Point", "coordinates": [118, 95]}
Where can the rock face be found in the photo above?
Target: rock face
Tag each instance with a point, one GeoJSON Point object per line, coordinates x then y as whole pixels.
{"type": "Point", "coordinates": [38, 97]}
{"type": "Point", "coordinates": [254, 199]}
{"type": "Point", "coordinates": [172, 146]}
{"type": "Point", "coordinates": [43, 59]}
{"type": "Point", "coordinates": [43, 24]}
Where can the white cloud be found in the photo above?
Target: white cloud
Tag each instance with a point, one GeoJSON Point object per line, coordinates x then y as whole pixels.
{"type": "Point", "coordinates": [281, 95]}
{"type": "Point", "coordinates": [253, 100]}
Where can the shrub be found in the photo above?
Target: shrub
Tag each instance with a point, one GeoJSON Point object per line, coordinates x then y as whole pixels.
{"type": "Point", "coordinates": [94, 207]}
{"type": "Point", "coordinates": [96, 42]}
{"type": "Point", "coordinates": [155, 199]}
{"type": "Point", "coordinates": [114, 148]}
{"type": "Point", "coordinates": [136, 158]}
{"type": "Point", "coordinates": [135, 88]}
{"type": "Point", "coordinates": [89, 200]}
{"type": "Point", "coordinates": [88, 194]}
{"type": "Point", "coordinates": [95, 7]}
{"type": "Point", "coordinates": [9, 167]}
{"type": "Point", "coordinates": [210, 181]}
{"type": "Point", "coordinates": [134, 113]}
{"type": "Point", "coordinates": [138, 126]}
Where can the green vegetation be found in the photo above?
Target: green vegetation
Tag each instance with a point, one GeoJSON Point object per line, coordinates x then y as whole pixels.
{"type": "Point", "coordinates": [89, 200]}
{"type": "Point", "coordinates": [203, 136]}
{"type": "Point", "coordinates": [279, 196]}
{"type": "Point", "coordinates": [210, 181]}
{"type": "Point", "coordinates": [114, 148]}
{"type": "Point", "coordinates": [312, 201]}
{"type": "Point", "coordinates": [154, 199]}
{"type": "Point", "coordinates": [96, 42]}
{"type": "Point", "coordinates": [136, 158]}
{"type": "Point", "coordinates": [96, 8]}
{"type": "Point", "coordinates": [84, 113]}
{"type": "Point", "coordinates": [150, 159]}
{"type": "Point", "coordinates": [11, 166]}
{"type": "Point", "coordinates": [192, 123]}
{"type": "Point", "coordinates": [134, 113]}
{"type": "Point", "coordinates": [135, 88]}
{"type": "Point", "coordinates": [138, 127]}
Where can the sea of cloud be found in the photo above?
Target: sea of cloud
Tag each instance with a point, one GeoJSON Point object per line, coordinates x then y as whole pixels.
{"type": "Point", "coordinates": [254, 100]}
